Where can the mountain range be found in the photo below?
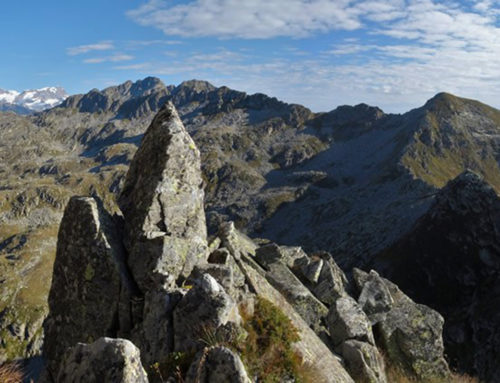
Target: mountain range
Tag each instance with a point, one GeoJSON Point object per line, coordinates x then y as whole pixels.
{"type": "Point", "coordinates": [30, 101]}
{"type": "Point", "coordinates": [355, 181]}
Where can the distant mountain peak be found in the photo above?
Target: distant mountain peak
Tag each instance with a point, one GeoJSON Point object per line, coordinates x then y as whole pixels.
{"type": "Point", "coordinates": [33, 100]}
{"type": "Point", "coordinates": [198, 85]}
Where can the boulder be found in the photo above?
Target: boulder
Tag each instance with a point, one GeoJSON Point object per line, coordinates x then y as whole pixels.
{"type": "Point", "coordinates": [201, 311]}
{"type": "Point", "coordinates": [104, 361]}
{"type": "Point", "coordinates": [410, 334]}
{"type": "Point", "coordinates": [162, 203]}
{"type": "Point", "coordinates": [217, 364]}
{"type": "Point", "coordinates": [88, 280]}
{"type": "Point", "coordinates": [347, 321]}
{"type": "Point", "coordinates": [363, 361]}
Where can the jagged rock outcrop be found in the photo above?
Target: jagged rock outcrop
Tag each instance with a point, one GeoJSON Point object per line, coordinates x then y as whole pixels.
{"type": "Point", "coordinates": [217, 364]}
{"type": "Point", "coordinates": [162, 203]}
{"type": "Point", "coordinates": [183, 296]}
{"type": "Point", "coordinates": [451, 261]}
{"type": "Point", "coordinates": [410, 334]}
{"type": "Point", "coordinates": [104, 361]}
{"type": "Point", "coordinates": [90, 287]}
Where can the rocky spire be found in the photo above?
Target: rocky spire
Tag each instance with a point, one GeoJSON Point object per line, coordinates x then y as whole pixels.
{"type": "Point", "coordinates": [162, 202]}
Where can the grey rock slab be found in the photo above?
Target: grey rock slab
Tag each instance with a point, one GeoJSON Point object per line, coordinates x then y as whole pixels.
{"type": "Point", "coordinates": [104, 361]}
{"type": "Point", "coordinates": [347, 321]}
{"type": "Point", "coordinates": [304, 302]}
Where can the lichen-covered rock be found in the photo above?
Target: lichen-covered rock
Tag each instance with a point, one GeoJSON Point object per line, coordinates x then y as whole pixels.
{"type": "Point", "coordinates": [89, 275]}
{"type": "Point", "coordinates": [410, 334]}
{"type": "Point", "coordinates": [217, 365]}
{"type": "Point", "coordinates": [347, 321]}
{"type": "Point", "coordinates": [363, 361]}
{"type": "Point", "coordinates": [104, 361]}
{"type": "Point", "coordinates": [202, 310]}
{"type": "Point", "coordinates": [162, 202]}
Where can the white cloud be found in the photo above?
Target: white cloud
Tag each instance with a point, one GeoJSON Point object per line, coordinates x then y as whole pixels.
{"type": "Point", "coordinates": [82, 49]}
{"type": "Point", "coordinates": [113, 58]}
{"type": "Point", "coordinates": [247, 19]}
{"type": "Point", "coordinates": [397, 53]}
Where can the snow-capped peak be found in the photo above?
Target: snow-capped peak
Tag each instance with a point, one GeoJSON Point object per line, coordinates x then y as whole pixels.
{"type": "Point", "coordinates": [8, 96]}
{"type": "Point", "coordinates": [34, 99]}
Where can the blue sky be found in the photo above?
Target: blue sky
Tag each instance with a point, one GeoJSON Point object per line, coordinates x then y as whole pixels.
{"type": "Point", "coordinates": [321, 53]}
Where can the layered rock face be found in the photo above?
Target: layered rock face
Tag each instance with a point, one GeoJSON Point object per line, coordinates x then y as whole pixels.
{"type": "Point", "coordinates": [229, 310]}
{"type": "Point", "coordinates": [451, 261]}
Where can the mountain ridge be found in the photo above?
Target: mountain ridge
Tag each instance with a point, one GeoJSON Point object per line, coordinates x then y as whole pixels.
{"type": "Point", "coordinates": [351, 181]}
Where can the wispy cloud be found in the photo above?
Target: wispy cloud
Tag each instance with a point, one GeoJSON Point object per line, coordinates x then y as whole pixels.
{"type": "Point", "coordinates": [113, 58]}
{"type": "Point", "coordinates": [82, 49]}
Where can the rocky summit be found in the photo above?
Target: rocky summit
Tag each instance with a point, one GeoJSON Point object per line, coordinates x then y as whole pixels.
{"type": "Point", "coordinates": [125, 308]}
{"type": "Point", "coordinates": [180, 219]}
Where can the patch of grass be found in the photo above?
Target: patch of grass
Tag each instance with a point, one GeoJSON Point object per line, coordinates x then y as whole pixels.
{"type": "Point", "coordinates": [175, 364]}
{"type": "Point", "coordinates": [396, 374]}
{"type": "Point", "coordinates": [11, 373]}
{"type": "Point", "coordinates": [267, 350]}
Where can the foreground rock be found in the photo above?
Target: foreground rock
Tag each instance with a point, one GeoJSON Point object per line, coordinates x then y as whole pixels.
{"type": "Point", "coordinates": [162, 202]}
{"type": "Point", "coordinates": [88, 281]}
{"type": "Point", "coordinates": [104, 361]}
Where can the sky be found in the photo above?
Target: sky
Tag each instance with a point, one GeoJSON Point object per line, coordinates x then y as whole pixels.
{"type": "Point", "coordinates": [395, 54]}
